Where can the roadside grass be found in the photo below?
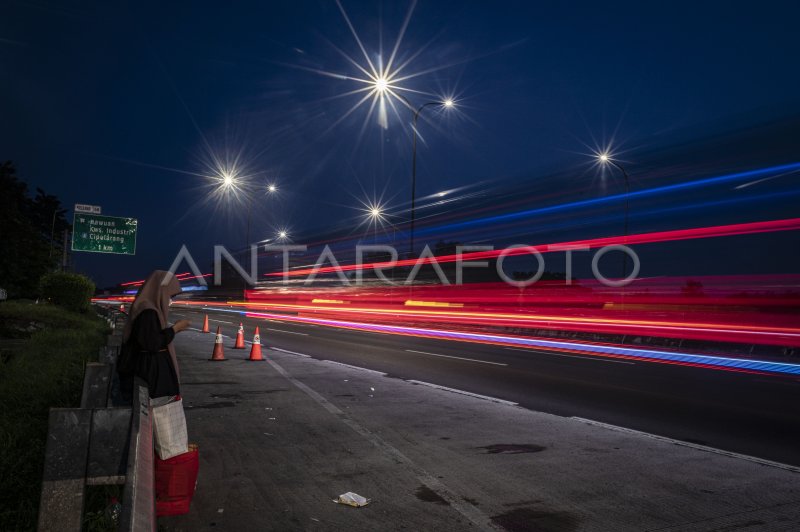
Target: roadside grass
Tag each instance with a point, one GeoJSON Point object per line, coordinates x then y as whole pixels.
{"type": "Point", "coordinates": [43, 371]}
{"type": "Point", "coordinates": [55, 317]}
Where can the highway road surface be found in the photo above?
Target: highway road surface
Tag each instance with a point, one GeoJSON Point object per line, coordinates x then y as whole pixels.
{"type": "Point", "coordinates": [755, 415]}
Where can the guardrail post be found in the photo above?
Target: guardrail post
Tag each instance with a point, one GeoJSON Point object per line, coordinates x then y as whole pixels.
{"type": "Point", "coordinates": [139, 501]}
{"type": "Point", "coordinates": [61, 506]}
{"type": "Point", "coordinates": [96, 383]}
{"type": "Point", "coordinates": [108, 446]}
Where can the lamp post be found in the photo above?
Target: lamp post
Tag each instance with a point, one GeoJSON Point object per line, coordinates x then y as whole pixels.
{"type": "Point", "coordinates": [272, 188]}
{"type": "Point", "coordinates": [375, 214]}
{"type": "Point", "coordinates": [448, 103]}
{"type": "Point", "coordinates": [605, 159]}
{"type": "Point", "coordinates": [229, 183]}
{"type": "Point", "coordinates": [52, 232]}
{"type": "Point", "coordinates": [382, 86]}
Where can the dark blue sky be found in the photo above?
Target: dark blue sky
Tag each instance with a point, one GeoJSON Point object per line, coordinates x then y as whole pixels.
{"type": "Point", "coordinates": [119, 104]}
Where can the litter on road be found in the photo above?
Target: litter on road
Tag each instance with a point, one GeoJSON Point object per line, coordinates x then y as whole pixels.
{"type": "Point", "coordinates": [352, 499]}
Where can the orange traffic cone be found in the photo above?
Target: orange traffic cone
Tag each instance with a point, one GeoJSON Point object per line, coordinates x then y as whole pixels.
{"type": "Point", "coordinates": [239, 338]}
{"type": "Point", "coordinates": [255, 350]}
{"type": "Point", "coordinates": [205, 324]}
{"type": "Point", "coordinates": [218, 354]}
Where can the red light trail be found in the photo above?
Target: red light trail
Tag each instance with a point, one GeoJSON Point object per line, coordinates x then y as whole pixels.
{"type": "Point", "coordinates": [749, 228]}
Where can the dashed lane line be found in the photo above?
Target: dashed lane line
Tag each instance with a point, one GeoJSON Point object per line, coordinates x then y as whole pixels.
{"type": "Point", "coordinates": [287, 332]}
{"type": "Point", "coordinates": [592, 359]}
{"type": "Point", "coordinates": [457, 358]}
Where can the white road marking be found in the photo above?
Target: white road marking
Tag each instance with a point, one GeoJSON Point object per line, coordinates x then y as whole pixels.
{"type": "Point", "coordinates": [291, 352]}
{"type": "Point", "coordinates": [382, 374]}
{"type": "Point", "coordinates": [287, 332]}
{"type": "Point", "coordinates": [457, 358]}
{"type": "Point", "coordinates": [463, 392]}
{"type": "Point", "coordinates": [697, 446]}
{"type": "Point", "coordinates": [470, 512]}
{"type": "Point", "coordinates": [292, 323]}
{"type": "Point", "coordinates": [221, 321]}
{"type": "Point", "coordinates": [595, 359]}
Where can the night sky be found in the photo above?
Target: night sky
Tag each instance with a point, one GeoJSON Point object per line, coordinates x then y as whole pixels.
{"type": "Point", "coordinates": [123, 105]}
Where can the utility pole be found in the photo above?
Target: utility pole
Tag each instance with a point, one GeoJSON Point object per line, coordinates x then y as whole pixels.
{"type": "Point", "coordinates": [64, 256]}
{"type": "Point", "coordinates": [52, 232]}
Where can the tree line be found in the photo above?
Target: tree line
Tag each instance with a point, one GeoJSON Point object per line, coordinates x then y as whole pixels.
{"type": "Point", "coordinates": [31, 234]}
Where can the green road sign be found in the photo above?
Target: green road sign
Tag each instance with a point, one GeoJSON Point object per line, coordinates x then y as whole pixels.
{"type": "Point", "coordinates": [104, 234]}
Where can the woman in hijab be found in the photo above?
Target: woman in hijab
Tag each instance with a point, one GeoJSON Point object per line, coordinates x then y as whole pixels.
{"type": "Point", "coordinates": [148, 339]}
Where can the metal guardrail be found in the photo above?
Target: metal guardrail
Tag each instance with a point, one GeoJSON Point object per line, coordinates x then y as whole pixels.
{"type": "Point", "coordinates": [99, 444]}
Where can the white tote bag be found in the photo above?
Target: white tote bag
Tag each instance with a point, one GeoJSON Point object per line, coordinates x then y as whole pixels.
{"type": "Point", "coordinates": [169, 430]}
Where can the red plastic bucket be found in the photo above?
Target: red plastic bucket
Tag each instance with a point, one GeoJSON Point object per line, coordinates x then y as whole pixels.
{"type": "Point", "coordinates": [176, 479]}
{"type": "Point", "coordinates": [176, 507]}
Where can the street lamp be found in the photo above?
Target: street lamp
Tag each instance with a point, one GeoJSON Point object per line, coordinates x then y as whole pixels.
{"type": "Point", "coordinates": [605, 158]}
{"type": "Point", "coordinates": [272, 188]}
{"type": "Point", "coordinates": [448, 103]}
{"type": "Point", "coordinates": [374, 213]}
{"type": "Point", "coordinates": [382, 87]}
{"type": "Point", "coordinates": [381, 84]}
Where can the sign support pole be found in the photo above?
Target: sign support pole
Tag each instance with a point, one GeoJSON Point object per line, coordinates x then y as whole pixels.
{"type": "Point", "coordinates": [64, 257]}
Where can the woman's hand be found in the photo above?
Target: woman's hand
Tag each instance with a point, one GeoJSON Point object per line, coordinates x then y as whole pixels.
{"type": "Point", "coordinates": [182, 325]}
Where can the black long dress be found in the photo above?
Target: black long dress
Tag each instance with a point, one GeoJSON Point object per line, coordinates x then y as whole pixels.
{"type": "Point", "coordinates": [151, 360]}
